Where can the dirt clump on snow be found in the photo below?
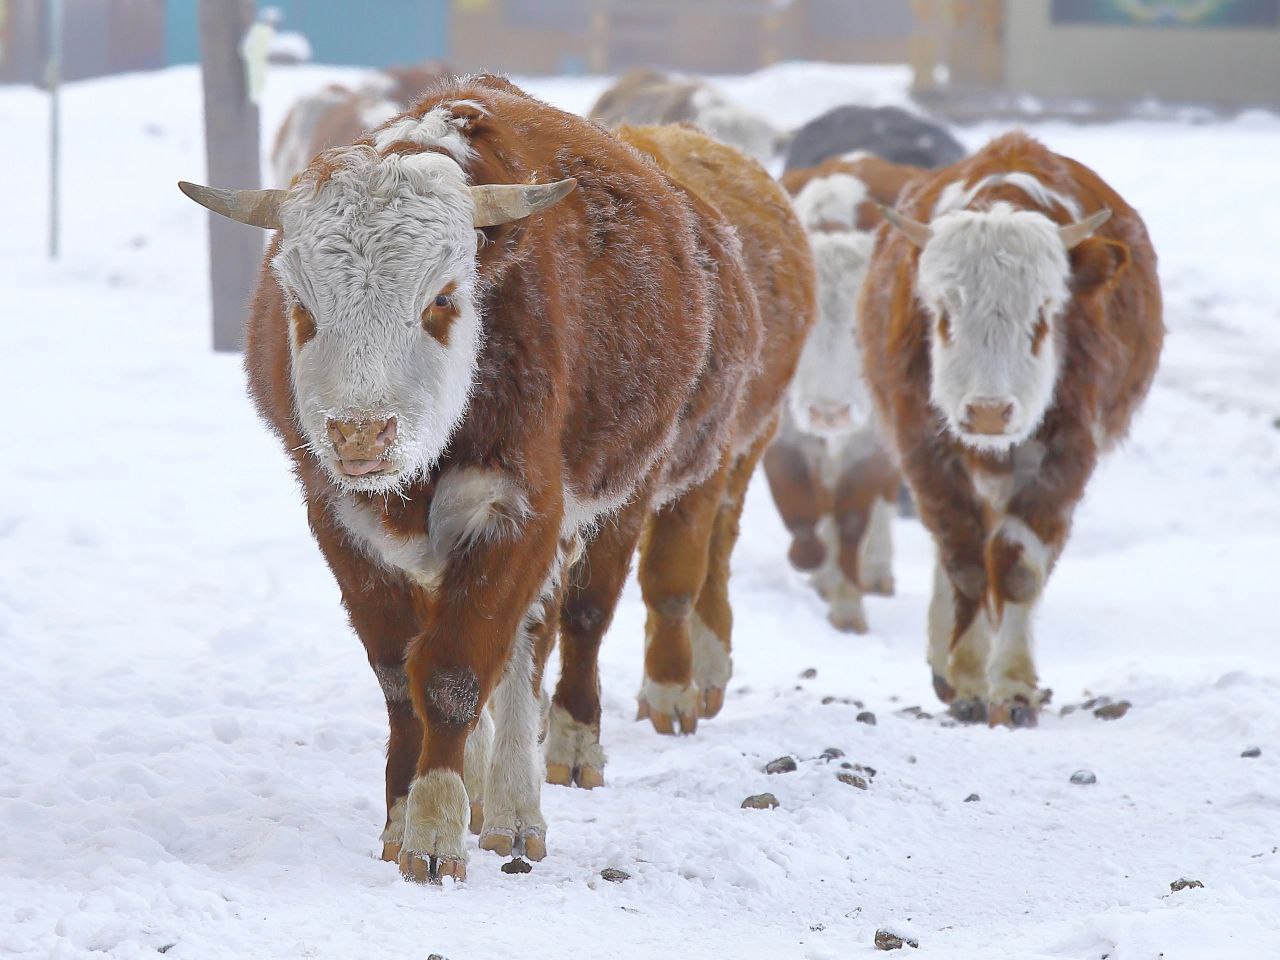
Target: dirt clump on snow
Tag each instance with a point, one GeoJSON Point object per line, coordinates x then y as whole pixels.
{"type": "Point", "coordinates": [786, 764]}
{"type": "Point", "coordinates": [887, 940]}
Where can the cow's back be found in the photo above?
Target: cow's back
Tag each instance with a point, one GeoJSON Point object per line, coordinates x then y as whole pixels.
{"type": "Point", "coordinates": [775, 249]}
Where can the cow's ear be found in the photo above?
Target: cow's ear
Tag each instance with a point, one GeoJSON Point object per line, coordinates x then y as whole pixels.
{"type": "Point", "coordinates": [1096, 262]}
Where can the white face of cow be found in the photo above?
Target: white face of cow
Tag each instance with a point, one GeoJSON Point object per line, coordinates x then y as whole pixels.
{"type": "Point", "coordinates": [829, 394]}
{"type": "Point", "coordinates": [381, 256]}
{"type": "Point", "coordinates": [995, 284]}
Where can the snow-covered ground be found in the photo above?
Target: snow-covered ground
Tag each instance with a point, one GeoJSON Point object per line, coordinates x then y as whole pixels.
{"type": "Point", "coordinates": [191, 741]}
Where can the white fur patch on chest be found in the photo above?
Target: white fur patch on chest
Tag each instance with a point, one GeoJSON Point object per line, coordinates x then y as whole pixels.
{"type": "Point", "coordinates": [995, 489]}
{"type": "Point", "coordinates": [470, 505]}
{"type": "Point", "coordinates": [411, 555]}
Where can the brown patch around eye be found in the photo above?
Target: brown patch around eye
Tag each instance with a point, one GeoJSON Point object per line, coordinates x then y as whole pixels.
{"type": "Point", "coordinates": [304, 324]}
{"type": "Point", "coordinates": [944, 329]}
{"type": "Point", "coordinates": [1039, 333]}
{"type": "Point", "coordinates": [439, 315]}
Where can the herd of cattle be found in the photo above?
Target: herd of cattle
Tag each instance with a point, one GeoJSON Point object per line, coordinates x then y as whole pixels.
{"type": "Point", "coordinates": [507, 348]}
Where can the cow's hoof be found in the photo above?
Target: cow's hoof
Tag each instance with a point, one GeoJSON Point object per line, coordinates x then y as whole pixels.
{"type": "Point", "coordinates": [477, 816]}
{"type": "Point", "coordinates": [881, 586]}
{"type": "Point", "coordinates": [671, 709]}
{"type": "Point", "coordinates": [945, 691]}
{"type": "Point", "coordinates": [847, 619]}
{"type": "Point", "coordinates": [712, 701]}
{"type": "Point", "coordinates": [1015, 713]}
{"type": "Point", "coordinates": [969, 710]}
{"type": "Point", "coordinates": [391, 852]}
{"type": "Point", "coordinates": [573, 752]}
{"type": "Point", "coordinates": [435, 823]}
{"type": "Point", "coordinates": [515, 839]}
{"type": "Point", "coordinates": [432, 870]}
{"type": "Point", "coordinates": [587, 777]}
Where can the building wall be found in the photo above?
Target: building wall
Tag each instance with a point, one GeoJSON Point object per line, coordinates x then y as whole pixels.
{"type": "Point", "coordinates": [1201, 63]}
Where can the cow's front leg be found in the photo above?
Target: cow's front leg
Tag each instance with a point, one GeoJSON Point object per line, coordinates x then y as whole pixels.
{"type": "Point", "coordinates": [495, 568]}
{"type": "Point", "coordinates": [1018, 563]}
{"type": "Point", "coordinates": [800, 496]}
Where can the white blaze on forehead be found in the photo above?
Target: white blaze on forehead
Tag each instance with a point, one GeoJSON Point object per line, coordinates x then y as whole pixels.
{"type": "Point", "coordinates": [994, 275]}
{"type": "Point", "coordinates": [956, 196]}
{"type": "Point", "coordinates": [368, 241]}
{"type": "Point", "coordinates": [831, 200]}
{"type": "Point", "coordinates": [829, 375]}
{"type": "Point", "coordinates": [435, 128]}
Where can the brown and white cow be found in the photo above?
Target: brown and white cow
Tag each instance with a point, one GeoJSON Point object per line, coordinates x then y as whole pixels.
{"type": "Point", "coordinates": [337, 115]}
{"type": "Point", "coordinates": [473, 369]}
{"type": "Point", "coordinates": [1011, 325]}
{"type": "Point", "coordinates": [831, 476]}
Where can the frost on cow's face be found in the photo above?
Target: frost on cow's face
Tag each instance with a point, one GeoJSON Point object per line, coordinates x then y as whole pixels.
{"type": "Point", "coordinates": [994, 284]}
{"type": "Point", "coordinates": [378, 262]}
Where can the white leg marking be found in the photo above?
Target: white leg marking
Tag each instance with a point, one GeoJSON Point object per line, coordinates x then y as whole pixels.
{"type": "Point", "coordinates": [572, 744]}
{"type": "Point", "coordinates": [942, 620]}
{"type": "Point", "coordinates": [394, 830]}
{"type": "Point", "coordinates": [1012, 671]}
{"type": "Point", "coordinates": [967, 670]}
{"type": "Point", "coordinates": [513, 820]}
{"type": "Point", "coordinates": [436, 816]}
{"type": "Point", "coordinates": [712, 664]}
{"type": "Point", "coordinates": [875, 562]}
{"type": "Point", "coordinates": [475, 766]}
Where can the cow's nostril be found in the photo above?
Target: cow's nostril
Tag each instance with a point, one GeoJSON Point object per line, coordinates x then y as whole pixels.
{"type": "Point", "coordinates": [387, 435]}
{"type": "Point", "coordinates": [335, 434]}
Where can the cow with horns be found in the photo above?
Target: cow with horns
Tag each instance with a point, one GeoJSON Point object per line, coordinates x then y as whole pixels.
{"type": "Point", "coordinates": [1011, 325]}
{"type": "Point", "coordinates": [831, 475]}
{"type": "Point", "coordinates": [475, 367]}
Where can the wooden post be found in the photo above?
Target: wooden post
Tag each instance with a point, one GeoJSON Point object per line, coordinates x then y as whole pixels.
{"type": "Point", "coordinates": [53, 79]}
{"type": "Point", "coordinates": [231, 151]}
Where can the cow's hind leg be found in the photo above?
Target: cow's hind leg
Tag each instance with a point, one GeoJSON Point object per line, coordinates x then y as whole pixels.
{"type": "Point", "coordinates": [513, 821]}
{"type": "Point", "coordinates": [593, 584]}
{"type": "Point", "coordinates": [711, 625]}
{"type": "Point", "coordinates": [673, 568]}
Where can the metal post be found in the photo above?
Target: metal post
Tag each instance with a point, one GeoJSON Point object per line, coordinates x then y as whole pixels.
{"type": "Point", "coordinates": [53, 79]}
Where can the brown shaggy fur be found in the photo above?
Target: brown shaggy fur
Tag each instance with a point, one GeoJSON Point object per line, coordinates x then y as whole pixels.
{"type": "Point", "coordinates": [621, 362]}
{"type": "Point", "coordinates": [1111, 334]}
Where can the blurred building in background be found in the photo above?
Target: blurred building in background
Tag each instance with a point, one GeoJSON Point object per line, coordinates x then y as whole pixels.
{"type": "Point", "coordinates": [1225, 51]}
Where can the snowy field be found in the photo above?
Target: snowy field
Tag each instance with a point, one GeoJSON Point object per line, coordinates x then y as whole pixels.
{"type": "Point", "coordinates": [191, 742]}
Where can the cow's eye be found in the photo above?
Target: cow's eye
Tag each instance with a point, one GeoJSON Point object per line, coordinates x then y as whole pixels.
{"type": "Point", "coordinates": [443, 300]}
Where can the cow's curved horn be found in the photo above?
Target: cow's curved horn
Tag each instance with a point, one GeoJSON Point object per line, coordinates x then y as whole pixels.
{"type": "Point", "coordinates": [915, 231]}
{"type": "Point", "coordinates": [1075, 233]}
{"type": "Point", "coordinates": [498, 203]}
{"type": "Point", "coordinates": [257, 208]}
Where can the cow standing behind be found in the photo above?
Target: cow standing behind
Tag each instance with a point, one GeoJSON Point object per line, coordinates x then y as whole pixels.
{"type": "Point", "coordinates": [470, 382]}
{"type": "Point", "coordinates": [336, 115]}
{"type": "Point", "coordinates": [831, 476]}
{"type": "Point", "coordinates": [1010, 330]}
{"type": "Point", "coordinates": [644, 96]}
